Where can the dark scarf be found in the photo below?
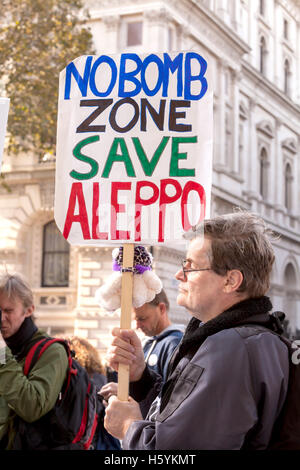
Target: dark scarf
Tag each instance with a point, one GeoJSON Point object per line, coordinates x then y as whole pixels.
{"type": "Point", "coordinates": [249, 311]}
{"type": "Point", "coordinates": [18, 343]}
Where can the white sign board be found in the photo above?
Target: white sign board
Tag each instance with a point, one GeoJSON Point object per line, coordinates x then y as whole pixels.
{"type": "Point", "coordinates": [4, 107]}
{"type": "Point", "coordinates": [134, 148]}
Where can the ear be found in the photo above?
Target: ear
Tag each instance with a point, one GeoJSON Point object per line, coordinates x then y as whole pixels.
{"type": "Point", "coordinates": [162, 308]}
{"type": "Point", "coordinates": [29, 311]}
{"type": "Point", "coordinates": [233, 280]}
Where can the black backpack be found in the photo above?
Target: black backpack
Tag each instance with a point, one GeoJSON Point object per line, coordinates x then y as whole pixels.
{"type": "Point", "coordinates": [72, 423]}
{"type": "Point", "coordinates": [286, 431]}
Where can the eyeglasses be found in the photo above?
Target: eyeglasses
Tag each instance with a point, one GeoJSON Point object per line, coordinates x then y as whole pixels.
{"type": "Point", "coordinates": [188, 270]}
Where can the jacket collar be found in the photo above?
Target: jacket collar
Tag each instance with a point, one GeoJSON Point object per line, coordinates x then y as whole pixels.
{"type": "Point", "coordinates": [18, 342]}
{"type": "Point", "coordinates": [248, 311]}
{"type": "Point", "coordinates": [168, 330]}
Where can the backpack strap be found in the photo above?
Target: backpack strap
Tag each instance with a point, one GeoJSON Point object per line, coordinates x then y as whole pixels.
{"type": "Point", "coordinates": [39, 348]}
{"type": "Point", "coordinates": [31, 356]}
{"type": "Point", "coordinates": [274, 325]}
{"type": "Point", "coordinates": [257, 328]}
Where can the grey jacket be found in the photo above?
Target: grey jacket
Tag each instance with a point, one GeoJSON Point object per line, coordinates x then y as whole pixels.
{"type": "Point", "coordinates": [226, 397]}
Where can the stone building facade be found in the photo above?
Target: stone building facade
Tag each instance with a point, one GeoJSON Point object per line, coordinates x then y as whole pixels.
{"type": "Point", "coordinates": [253, 49]}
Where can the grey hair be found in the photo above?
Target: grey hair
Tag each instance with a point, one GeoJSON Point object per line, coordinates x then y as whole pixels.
{"type": "Point", "coordinates": [13, 285]}
{"type": "Point", "coordinates": [242, 241]}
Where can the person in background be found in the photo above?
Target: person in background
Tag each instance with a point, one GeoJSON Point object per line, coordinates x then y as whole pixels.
{"type": "Point", "coordinates": [25, 399]}
{"type": "Point", "coordinates": [88, 357]}
{"type": "Point", "coordinates": [162, 337]}
{"type": "Point", "coordinates": [160, 341]}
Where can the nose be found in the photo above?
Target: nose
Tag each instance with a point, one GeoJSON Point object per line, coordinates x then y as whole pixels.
{"type": "Point", "coordinates": [3, 319]}
{"type": "Point", "coordinates": [180, 275]}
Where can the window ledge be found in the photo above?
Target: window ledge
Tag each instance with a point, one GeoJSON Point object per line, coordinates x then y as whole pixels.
{"type": "Point", "coordinates": [263, 19]}
{"type": "Point", "coordinates": [55, 297]}
{"type": "Point", "coordinates": [287, 43]}
{"type": "Point", "coordinates": [223, 169]}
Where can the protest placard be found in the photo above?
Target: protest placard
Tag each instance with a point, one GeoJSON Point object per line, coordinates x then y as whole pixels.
{"type": "Point", "coordinates": [134, 148]}
{"type": "Point", "coordinates": [4, 107]}
{"type": "Point", "coordinates": [134, 154]}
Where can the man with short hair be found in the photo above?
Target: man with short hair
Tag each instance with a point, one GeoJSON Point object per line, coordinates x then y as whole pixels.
{"type": "Point", "coordinates": [227, 381]}
{"type": "Point", "coordinates": [163, 336]}
{"type": "Point", "coordinates": [25, 399]}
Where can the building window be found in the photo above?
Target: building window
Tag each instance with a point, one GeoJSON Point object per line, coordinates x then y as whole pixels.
{"type": "Point", "coordinates": [287, 74]}
{"type": "Point", "coordinates": [226, 83]}
{"type": "Point", "coordinates": [135, 33]}
{"type": "Point", "coordinates": [262, 55]}
{"type": "Point", "coordinates": [290, 276]}
{"type": "Point", "coordinates": [232, 12]}
{"type": "Point", "coordinates": [263, 177]}
{"type": "Point", "coordinates": [241, 145]}
{"type": "Point", "coordinates": [228, 140]}
{"type": "Point", "coordinates": [288, 180]}
{"type": "Point", "coordinates": [290, 298]}
{"type": "Point", "coordinates": [56, 253]}
{"type": "Point", "coordinates": [242, 129]}
{"type": "Point", "coordinates": [285, 29]}
{"type": "Point", "coordinates": [262, 7]}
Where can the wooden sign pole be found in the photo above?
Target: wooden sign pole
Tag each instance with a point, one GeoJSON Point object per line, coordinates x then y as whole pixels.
{"type": "Point", "coordinates": [126, 312]}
